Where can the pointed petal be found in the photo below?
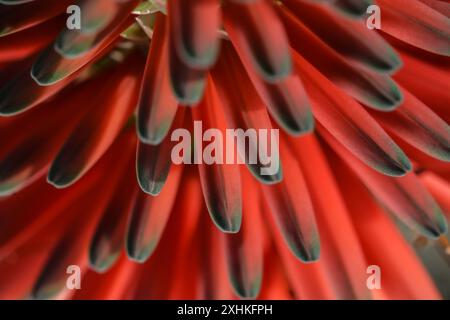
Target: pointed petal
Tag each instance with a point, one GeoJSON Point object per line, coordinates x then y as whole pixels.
{"type": "Point", "coordinates": [428, 81]}
{"type": "Point", "coordinates": [350, 38]}
{"type": "Point", "coordinates": [415, 123]}
{"type": "Point", "coordinates": [107, 240]}
{"type": "Point", "coordinates": [220, 181]}
{"type": "Point", "coordinates": [97, 18]}
{"type": "Point", "coordinates": [153, 163]}
{"type": "Point", "coordinates": [406, 197]}
{"type": "Point", "coordinates": [340, 249]}
{"type": "Point", "coordinates": [117, 284]}
{"type": "Point", "coordinates": [244, 110]}
{"type": "Point", "coordinates": [373, 89]}
{"type": "Point", "coordinates": [294, 218]}
{"type": "Point", "coordinates": [182, 228]}
{"type": "Point", "coordinates": [76, 233]}
{"type": "Point", "coordinates": [51, 67]}
{"type": "Point", "coordinates": [417, 24]}
{"type": "Point", "coordinates": [439, 188]}
{"type": "Point", "coordinates": [188, 84]}
{"type": "Point", "coordinates": [157, 105]}
{"type": "Point", "coordinates": [194, 26]}
{"type": "Point", "coordinates": [212, 260]}
{"type": "Point", "coordinates": [351, 125]}
{"type": "Point", "coordinates": [288, 103]}
{"type": "Point", "coordinates": [111, 108]}
{"type": "Point", "coordinates": [149, 217]}
{"type": "Point", "coordinates": [245, 249]}
{"type": "Point", "coordinates": [21, 93]}
{"type": "Point", "coordinates": [28, 154]}
{"type": "Point", "coordinates": [286, 100]}
{"type": "Point", "coordinates": [266, 49]}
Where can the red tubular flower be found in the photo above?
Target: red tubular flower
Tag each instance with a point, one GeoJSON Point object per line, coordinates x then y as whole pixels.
{"type": "Point", "coordinates": [364, 137]}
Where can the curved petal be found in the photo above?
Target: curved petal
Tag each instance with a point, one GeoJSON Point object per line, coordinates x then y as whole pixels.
{"type": "Point", "coordinates": [417, 24]}
{"type": "Point", "coordinates": [244, 250]}
{"type": "Point", "coordinates": [194, 26]}
{"type": "Point", "coordinates": [375, 90]}
{"type": "Point", "coordinates": [110, 109]}
{"type": "Point", "coordinates": [149, 217]}
{"type": "Point", "coordinates": [341, 252]}
{"type": "Point", "coordinates": [265, 49]}
{"type": "Point", "coordinates": [157, 105]}
{"type": "Point", "coordinates": [221, 182]}
{"type": "Point", "coordinates": [153, 163]}
{"type": "Point", "coordinates": [295, 218]}
{"type": "Point", "coordinates": [406, 197]}
{"type": "Point", "coordinates": [351, 125]}
{"type": "Point", "coordinates": [415, 123]}
{"type": "Point", "coordinates": [244, 110]}
{"type": "Point", "coordinates": [350, 38]}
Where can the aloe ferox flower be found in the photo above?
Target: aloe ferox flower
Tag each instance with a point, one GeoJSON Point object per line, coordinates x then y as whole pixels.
{"type": "Point", "coordinates": [86, 176]}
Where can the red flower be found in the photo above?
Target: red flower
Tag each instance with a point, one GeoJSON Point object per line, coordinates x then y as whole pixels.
{"type": "Point", "coordinates": [365, 133]}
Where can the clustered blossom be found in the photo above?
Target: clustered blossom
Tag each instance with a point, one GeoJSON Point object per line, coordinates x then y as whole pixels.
{"type": "Point", "coordinates": [87, 179]}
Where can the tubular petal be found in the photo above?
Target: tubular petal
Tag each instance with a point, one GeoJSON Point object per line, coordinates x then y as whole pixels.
{"type": "Point", "coordinates": [157, 105]}
{"type": "Point", "coordinates": [350, 38]}
{"type": "Point", "coordinates": [244, 250]}
{"type": "Point", "coordinates": [307, 281]}
{"type": "Point", "coordinates": [294, 218]}
{"type": "Point", "coordinates": [21, 93]}
{"type": "Point", "coordinates": [153, 163]}
{"type": "Point", "coordinates": [194, 28]}
{"type": "Point", "coordinates": [25, 157]}
{"type": "Point", "coordinates": [111, 108]}
{"type": "Point", "coordinates": [51, 67]}
{"type": "Point", "coordinates": [108, 238]}
{"type": "Point", "coordinates": [376, 90]}
{"type": "Point", "coordinates": [415, 123]}
{"type": "Point", "coordinates": [336, 229]}
{"type": "Point", "coordinates": [266, 49]}
{"type": "Point", "coordinates": [71, 248]}
{"type": "Point", "coordinates": [149, 217]}
{"type": "Point", "coordinates": [427, 81]}
{"type": "Point", "coordinates": [440, 189]}
{"type": "Point", "coordinates": [287, 102]}
{"type": "Point", "coordinates": [406, 197]}
{"type": "Point", "coordinates": [221, 182]}
{"type": "Point", "coordinates": [417, 24]}
{"type": "Point", "coordinates": [188, 84]}
{"type": "Point", "coordinates": [117, 284]}
{"type": "Point", "coordinates": [97, 19]}
{"type": "Point", "coordinates": [351, 125]}
{"type": "Point", "coordinates": [243, 109]}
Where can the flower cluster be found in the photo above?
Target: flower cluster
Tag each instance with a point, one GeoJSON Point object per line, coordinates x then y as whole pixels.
{"type": "Point", "coordinates": [364, 148]}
